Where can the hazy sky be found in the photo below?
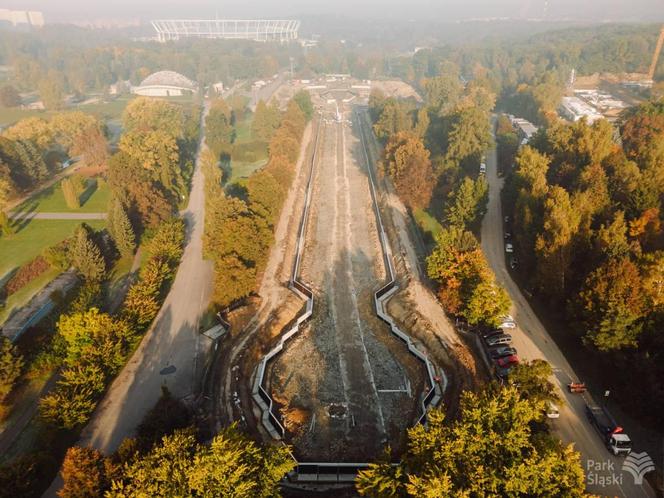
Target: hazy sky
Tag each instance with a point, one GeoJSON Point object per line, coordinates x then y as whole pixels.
{"type": "Point", "coordinates": [440, 10]}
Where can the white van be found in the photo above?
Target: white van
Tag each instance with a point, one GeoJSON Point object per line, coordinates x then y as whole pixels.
{"type": "Point", "coordinates": [552, 410]}
{"type": "Point", "coordinates": [482, 169]}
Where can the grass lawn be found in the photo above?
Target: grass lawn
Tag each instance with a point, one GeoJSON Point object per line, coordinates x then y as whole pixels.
{"type": "Point", "coordinates": [243, 131]}
{"type": "Point", "coordinates": [23, 296]}
{"type": "Point", "coordinates": [240, 169]}
{"type": "Point", "coordinates": [106, 110]}
{"type": "Point", "coordinates": [9, 115]}
{"type": "Point", "coordinates": [427, 223]}
{"type": "Point", "coordinates": [51, 200]}
{"type": "Point", "coordinates": [33, 238]}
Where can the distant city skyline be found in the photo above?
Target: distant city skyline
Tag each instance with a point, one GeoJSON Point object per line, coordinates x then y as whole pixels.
{"type": "Point", "coordinates": [432, 10]}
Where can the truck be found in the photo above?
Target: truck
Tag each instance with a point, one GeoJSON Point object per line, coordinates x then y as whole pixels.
{"type": "Point", "coordinates": [613, 435]}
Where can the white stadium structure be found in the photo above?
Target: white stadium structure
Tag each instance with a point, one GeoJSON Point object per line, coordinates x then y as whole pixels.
{"type": "Point", "coordinates": [263, 30]}
{"type": "Point", "coordinates": [165, 84]}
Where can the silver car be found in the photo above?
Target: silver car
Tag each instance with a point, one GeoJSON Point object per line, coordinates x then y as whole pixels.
{"type": "Point", "coordinates": [499, 340]}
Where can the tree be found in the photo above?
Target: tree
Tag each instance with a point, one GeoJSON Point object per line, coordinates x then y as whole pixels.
{"type": "Point", "coordinates": [469, 136]}
{"type": "Point", "coordinates": [11, 366]}
{"type": "Point", "coordinates": [231, 465]}
{"type": "Point", "coordinates": [406, 162]}
{"type": "Point", "coordinates": [86, 256]}
{"type": "Point", "coordinates": [491, 449]}
{"type": "Point", "coordinates": [6, 226]}
{"type": "Point", "coordinates": [92, 145]}
{"type": "Point", "coordinates": [303, 99]}
{"type": "Point", "coordinates": [467, 204]}
{"type": "Point", "coordinates": [9, 96]}
{"type": "Point", "coordinates": [145, 114]}
{"type": "Point", "coordinates": [265, 122]}
{"type": "Point", "coordinates": [393, 119]}
{"type": "Point", "coordinates": [532, 380]}
{"type": "Point", "coordinates": [157, 152]}
{"type": "Point", "coordinates": [95, 338]}
{"type": "Point", "coordinates": [142, 303]}
{"type": "Point", "coordinates": [120, 229]}
{"type": "Point", "coordinates": [219, 131]}
{"type": "Point", "coordinates": [70, 193]}
{"type": "Point", "coordinates": [612, 305]}
{"type": "Point", "coordinates": [86, 473]}
{"type": "Point", "coordinates": [51, 94]}
{"type": "Point", "coordinates": [265, 196]}
{"type": "Point", "coordinates": [554, 243]}
{"type": "Point", "coordinates": [487, 303]}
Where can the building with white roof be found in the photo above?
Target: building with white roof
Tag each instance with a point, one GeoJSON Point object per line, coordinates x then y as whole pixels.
{"type": "Point", "coordinates": [573, 109]}
{"type": "Point", "coordinates": [165, 84]}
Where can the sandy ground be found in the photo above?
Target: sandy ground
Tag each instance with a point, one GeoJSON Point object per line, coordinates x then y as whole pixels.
{"type": "Point", "coordinates": [396, 88]}
{"type": "Point", "coordinates": [345, 385]}
{"type": "Point", "coordinates": [533, 341]}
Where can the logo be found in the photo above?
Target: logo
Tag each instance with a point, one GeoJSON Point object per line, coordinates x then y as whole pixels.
{"type": "Point", "coordinates": [638, 464]}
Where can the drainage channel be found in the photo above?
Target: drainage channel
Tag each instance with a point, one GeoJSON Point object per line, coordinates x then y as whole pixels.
{"type": "Point", "coordinates": [339, 472]}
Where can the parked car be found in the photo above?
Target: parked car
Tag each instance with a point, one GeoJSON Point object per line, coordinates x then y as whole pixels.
{"type": "Point", "coordinates": [552, 410]}
{"type": "Point", "coordinates": [501, 352]}
{"type": "Point", "coordinates": [507, 325]}
{"type": "Point", "coordinates": [509, 248]}
{"type": "Point", "coordinates": [507, 219]}
{"type": "Point", "coordinates": [492, 333]}
{"type": "Point", "coordinates": [506, 318]}
{"type": "Point", "coordinates": [482, 169]}
{"type": "Point", "coordinates": [507, 361]}
{"type": "Point", "coordinates": [513, 262]}
{"type": "Point", "coordinates": [507, 235]}
{"type": "Point", "coordinates": [499, 340]}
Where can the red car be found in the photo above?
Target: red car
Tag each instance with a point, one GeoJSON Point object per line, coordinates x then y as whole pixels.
{"type": "Point", "coordinates": [507, 361]}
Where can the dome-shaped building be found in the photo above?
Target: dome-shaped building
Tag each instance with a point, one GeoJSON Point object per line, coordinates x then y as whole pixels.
{"type": "Point", "coordinates": [165, 84]}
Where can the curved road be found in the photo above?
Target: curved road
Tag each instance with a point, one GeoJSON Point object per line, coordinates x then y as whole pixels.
{"type": "Point", "coordinates": [533, 341]}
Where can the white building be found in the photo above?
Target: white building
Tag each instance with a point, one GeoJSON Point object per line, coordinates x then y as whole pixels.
{"type": "Point", "coordinates": [22, 17]}
{"type": "Point", "coordinates": [264, 30]}
{"type": "Point", "coordinates": [573, 109]}
{"type": "Point", "coordinates": [524, 128]}
{"type": "Point", "coordinates": [165, 84]}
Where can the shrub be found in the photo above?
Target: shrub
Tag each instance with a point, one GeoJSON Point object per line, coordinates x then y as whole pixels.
{"type": "Point", "coordinates": [11, 365]}
{"type": "Point", "coordinates": [26, 274]}
{"type": "Point", "coordinates": [58, 255]}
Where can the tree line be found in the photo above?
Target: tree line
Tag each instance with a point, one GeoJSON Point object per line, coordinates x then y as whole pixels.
{"type": "Point", "coordinates": [240, 220]}
{"type": "Point", "coordinates": [32, 150]}
{"type": "Point", "coordinates": [432, 155]}
{"type": "Point", "coordinates": [499, 444]}
{"type": "Point", "coordinates": [587, 226]}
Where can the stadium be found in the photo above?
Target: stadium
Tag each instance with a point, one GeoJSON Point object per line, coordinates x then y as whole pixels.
{"type": "Point", "coordinates": [262, 30]}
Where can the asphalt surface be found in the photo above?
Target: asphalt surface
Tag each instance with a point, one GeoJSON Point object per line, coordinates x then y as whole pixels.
{"type": "Point", "coordinates": [533, 341]}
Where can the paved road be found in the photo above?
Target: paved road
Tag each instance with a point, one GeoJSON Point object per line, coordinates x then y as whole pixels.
{"type": "Point", "coordinates": [57, 216]}
{"type": "Point", "coordinates": [532, 341]}
{"type": "Point", "coordinates": [170, 352]}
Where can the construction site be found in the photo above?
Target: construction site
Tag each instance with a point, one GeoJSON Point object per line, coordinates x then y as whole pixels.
{"type": "Point", "coordinates": [337, 359]}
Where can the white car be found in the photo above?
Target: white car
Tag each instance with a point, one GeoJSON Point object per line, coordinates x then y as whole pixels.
{"type": "Point", "coordinates": [506, 318]}
{"type": "Point", "coordinates": [509, 248]}
{"type": "Point", "coordinates": [507, 325]}
{"type": "Point", "coordinates": [552, 410]}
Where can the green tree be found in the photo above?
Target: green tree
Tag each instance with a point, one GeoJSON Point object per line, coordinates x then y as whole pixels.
{"type": "Point", "coordinates": [96, 339]}
{"type": "Point", "coordinates": [70, 193]}
{"type": "Point", "coordinates": [486, 304]}
{"type": "Point", "coordinates": [6, 226]}
{"type": "Point", "coordinates": [532, 379]}
{"type": "Point", "coordinates": [303, 99]}
{"type": "Point", "coordinates": [120, 229]}
{"type": "Point", "coordinates": [11, 366]}
{"type": "Point", "coordinates": [554, 243]}
{"type": "Point", "coordinates": [468, 202]}
{"type": "Point", "coordinates": [265, 196]}
{"type": "Point", "coordinates": [86, 256]}
{"type": "Point", "coordinates": [490, 449]}
{"type": "Point", "coordinates": [179, 466]}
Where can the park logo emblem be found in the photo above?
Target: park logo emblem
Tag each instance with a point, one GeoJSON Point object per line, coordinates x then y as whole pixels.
{"type": "Point", "coordinates": [638, 464]}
